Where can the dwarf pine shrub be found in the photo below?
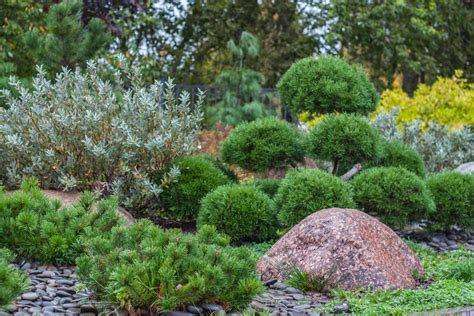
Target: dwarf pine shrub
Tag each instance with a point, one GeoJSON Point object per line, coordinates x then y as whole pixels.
{"type": "Point", "coordinates": [453, 193]}
{"type": "Point", "coordinates": [242, 212]}
{"type": "Point", "coordinates": [394, 194]}
{"type": "Point", "coordinates": [199, 175]}
{"type": "Point", "coordinates": [35, 227]}
{"type": "Point", "coordinates": [327, 84]}
{"type": "Point", "coordinates": [148, 270]}
{"type": "Point", "coordinates": [80, 132]}
{"type": "Point", "coordinates": [305, 191]}
{"type": "Point", "coordinates": [12, 281]}
{"type": "Point", "coordinates": [263, 144]}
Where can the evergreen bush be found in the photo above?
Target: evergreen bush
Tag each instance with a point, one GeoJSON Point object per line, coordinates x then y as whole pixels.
{"type": "Point", "coordinates": [394, 194]}
{"type": "Point", "coordinates": [453, 193]}
{"type": "Point", "coordinates": [242, 212]}
{"type": "Point", "coordinates": [263, 144]}
{"type": "Point", "coordinates": [222, 167]}
{"type": "Point", "coordinates": [397, 154]}
{"type": "Point", "coordinates": [198, 176]}
{"type": "Point", "coordinates": [345, 140]}
{"type": "Point", "coordinates": [327, 84]}
{"type": "Point", "coordinates": [35, 227]}
{"type": "Point", "coordinates": [12, 281]}
{"type": "Point", "coordinates": [80, 132]}
{"type": "Point", "coordinates": [305, 191]}
{"type": "Point", "coordinates": [148, 270]}
{"type": "Point", "coordinates": [267, 186]}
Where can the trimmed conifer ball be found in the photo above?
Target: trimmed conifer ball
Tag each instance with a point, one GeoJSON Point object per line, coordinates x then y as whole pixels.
{"type": "Point", "coordinates": [395, 195]}
{"type": "Point", "coordinates": [263, 144]}
{"type": "Point", "coordinates": [198, 176]}
{"type": "Point", "coordinates": [453, 193]}
{"type": "Point", "coordinates": [242, 212]}
{"type": "Point", "coordinates": [327, 84]}
{"type": "Point", "coordinates": [267, 186]}
{"type": "Point", "coordinates": [345, 140]}
{"type": "Point", "coordinates": [397, 154]}
{"type": "Point", "coordinates": [305, 191]}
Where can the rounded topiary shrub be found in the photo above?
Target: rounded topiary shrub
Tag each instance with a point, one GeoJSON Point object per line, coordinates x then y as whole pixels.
{"type": "Point", "coordinates": [223, 167]}
{"type": "Point", "coordinates": [241, 211]}
{"type": "Point", "coordinates": [397, 154]}
{"type": "Point", "coordinates": [267, 186]}
{"type": "Point", "coordinates": [397, 196]}
{"type": "Point", "coordinates": [453, 193]}
{"type": "Point", "coordinates": [327, 84]}
{"type": "Point", "coordinates": [263, 144]}
{"type": "Point", "coordinates": [198, 176]}
{"type": "Point", "coordinates": [305, 191]}
{"type": "Point", "coordinates": [344, 139]}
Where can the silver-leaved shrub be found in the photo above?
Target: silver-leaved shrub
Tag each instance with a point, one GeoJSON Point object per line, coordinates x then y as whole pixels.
{"type": "Point", "coordinates": [81, 132]}
{"type": "Point", "coordinates": [440, 148]}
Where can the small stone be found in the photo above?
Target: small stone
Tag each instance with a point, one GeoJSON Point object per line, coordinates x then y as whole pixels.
{"type": "Point", "coordinates": [279, 286]}
{"type": "Point", "coordinates": [49, 309]}
{"type": "Point", "coordinates": [65, 300]}
{"type": "Point", "coordinates": [88, 308]}
{"type": "Point", "coordinates": [65, 282]}
{"type": "Point", "coordinates": [71, 305]}
{"type": "Point", "coordinates": [178, 313]}
{"type": "Point", "coordinates": [452, 247]}
{"type": "Point", "coordinates": [219, 313]}
{"type": "Point", "coordinates": [292, 290]}
{"type": "Point", "coordinates": [194, 309]}
{"type": "Point", "coordinates": [34, 309]}
{"type": "Point", "coordinates": [21, 314]}
{"type": "Point", "coordinates": [73, 311]}
{"type": "Point", "coordinates": [63, 294]}
{"type": "Point", "coordinates": [26, 266]}
{"type": "Point", "coordinates": [11, 308]}
{"type": "Point", "coordinates": [212, 307]}
{"type": "Point", "coordinates": [341, 307]}
{"type": "Point", "coordinates": [298, 296]}
{"type": "Point", "coordinates": [47, 303]}
{"type": "Point", "coordinates": [30, 296]}
{"type": "Point", "coordinates": [48, 313]}
{"type": "Point", "coordinates": [269, 283]}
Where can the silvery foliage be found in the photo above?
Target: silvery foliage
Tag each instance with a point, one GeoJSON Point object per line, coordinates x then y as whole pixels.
{"type": "Point", "coordinates": [81, 132]}
{"type": "Point", "coordinates": [440, 148]}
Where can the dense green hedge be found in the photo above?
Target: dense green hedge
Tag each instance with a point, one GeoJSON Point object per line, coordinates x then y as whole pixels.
{"type": "Point", "coordinates": [453, 193]}
{"type": "Point", "coordinates": [394, 194]}
{"type": "Point", "coordinates": [305, 191]}
{"type": "Point", "coordinates": [327, 84]}
{"type": "Point", "coordinates": [263, 144]}
{"type": "Point", "coordinates": [199, 175]}
{"type": "Point", "coordinates": [241, 211]}
{"type": "Point", "coordinates": [150, 270]}
{"type": "Point", "coordinates": [397, 154]}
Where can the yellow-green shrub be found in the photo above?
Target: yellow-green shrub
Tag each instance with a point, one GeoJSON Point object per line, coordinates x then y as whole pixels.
{"type": "Point", "coordinates": [449, 101]}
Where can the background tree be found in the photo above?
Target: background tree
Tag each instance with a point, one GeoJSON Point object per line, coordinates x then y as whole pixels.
{"type": "Point", "coordinates": [403, 37]}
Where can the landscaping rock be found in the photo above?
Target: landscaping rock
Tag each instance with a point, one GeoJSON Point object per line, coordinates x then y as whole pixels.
{"type": "Point", "coordinates": [466, 168]}
{"type": "Point", "coordinates": [347, 248]}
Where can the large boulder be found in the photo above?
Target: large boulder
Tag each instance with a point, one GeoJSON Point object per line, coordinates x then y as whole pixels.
{"type": "Point", "coordinates": [466, 168]}
{"type": "Point", "coordinates": [347, 248]}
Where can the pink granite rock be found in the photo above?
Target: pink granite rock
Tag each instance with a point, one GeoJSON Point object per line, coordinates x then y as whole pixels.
{"type": "Point", "coordinates": [347, 248]}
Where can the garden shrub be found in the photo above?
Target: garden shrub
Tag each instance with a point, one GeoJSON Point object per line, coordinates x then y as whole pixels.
{"type": "Point", "coordinates": [327, 84]}
{"type": "Point", "coordinates": [234, 115]}
{"type": "Point", "coordinates": [146, 269]}
{"type": "Point", "coordinates": [344, 138]}
{"type": "Point", "coordinates": [453, 193]}
{"type": "Point", "coordinates": [35, 227]}
{"type": "Point", "coordinates": [12, 281]}
{"type": "Point", "coordinates": [242, 212]}
{"type": "Point", "coordinates": [394, 194]}
{"type": "Point", "coordinates": [397, 154]}
{"type": "Point", "coordinates": [305, 191]}
{"type": "Point", "coordinates": [440, 148]}
{"type": "Point", "coordinates": [198, 176]}
{"type": "Point", "coordinates": [449, 101]}
{"type": "Point", "coordinates": [222, 167]}
{"type": "Point", "coordinates": [267, 186]}
{"type": "Point", "coordinates": [80, 132]}
{"type": "Point", "coordinates": [263, 144]}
